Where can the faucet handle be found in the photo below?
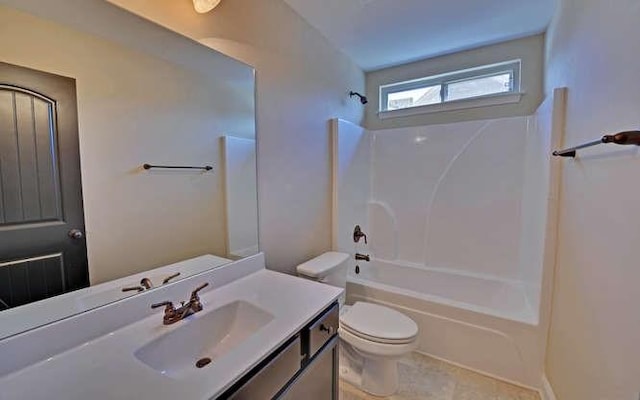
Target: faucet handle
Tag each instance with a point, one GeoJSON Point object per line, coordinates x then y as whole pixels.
{"type": "Point", "coordinates": [358, 234]}
{"type": "Point", "coordinates": [170, 277]}
{"type": "Point", "coordinates": [167, 304]}
{"type": "Point", "coordinates": [171, 315]}
{"type": "Point", "coordinates": [133, 289]}
{"type": "Point", "coordinates": [194, 294]}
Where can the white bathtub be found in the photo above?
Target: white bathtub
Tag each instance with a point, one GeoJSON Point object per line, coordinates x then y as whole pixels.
{"type": "Point", "coordinates": [499, 298]}
{"type": "Point", "coordinates": [481, 323]}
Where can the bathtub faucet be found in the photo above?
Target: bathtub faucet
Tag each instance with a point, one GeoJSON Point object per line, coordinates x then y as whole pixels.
{"type": "Point", "coordinates": [362, 257]}
{"type": "Point", "coordinates": [358, 234]}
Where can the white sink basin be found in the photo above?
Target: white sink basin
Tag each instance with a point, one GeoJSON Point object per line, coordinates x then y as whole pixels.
{"type": "Point", "coordinates": [209, 334]}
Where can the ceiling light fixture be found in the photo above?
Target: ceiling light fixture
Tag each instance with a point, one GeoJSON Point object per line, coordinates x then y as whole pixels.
{"type": "Point", "coordinates": [204, 6]}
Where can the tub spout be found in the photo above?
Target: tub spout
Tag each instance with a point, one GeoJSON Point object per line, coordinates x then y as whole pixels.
{"type": "Point", "coordinates": [363, 257]}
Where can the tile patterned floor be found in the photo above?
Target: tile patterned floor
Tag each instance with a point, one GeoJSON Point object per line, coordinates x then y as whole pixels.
{"type": "Point", "coordinates": [424, 378]}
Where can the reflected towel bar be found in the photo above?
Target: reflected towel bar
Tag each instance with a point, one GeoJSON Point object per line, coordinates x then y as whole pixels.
{"type": "Point", "coordinates": [149, 166]}
{"type": "Point", "coordinates": [622, 138]}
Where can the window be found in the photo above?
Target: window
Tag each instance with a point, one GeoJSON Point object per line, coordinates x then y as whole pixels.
{"type": "Point", "coordinates": [476, 83]}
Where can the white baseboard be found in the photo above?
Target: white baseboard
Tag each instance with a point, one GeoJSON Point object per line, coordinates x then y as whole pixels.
{"type": "Point", "coordinates": [546, 393]}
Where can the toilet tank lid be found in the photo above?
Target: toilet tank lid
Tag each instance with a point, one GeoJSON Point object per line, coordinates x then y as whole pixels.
{"type": "Point", "coordinates": [322, 265]}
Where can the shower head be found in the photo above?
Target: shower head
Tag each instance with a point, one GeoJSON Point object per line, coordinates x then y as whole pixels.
{"type": "Point", "coordinates": [363, 99]}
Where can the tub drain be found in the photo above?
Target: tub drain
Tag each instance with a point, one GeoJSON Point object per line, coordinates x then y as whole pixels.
{"type": "Point", "coordinates": [203, 362]}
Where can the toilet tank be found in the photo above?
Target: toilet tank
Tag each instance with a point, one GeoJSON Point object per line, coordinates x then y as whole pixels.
{"type": "Point", "coordinates": [329, 268]}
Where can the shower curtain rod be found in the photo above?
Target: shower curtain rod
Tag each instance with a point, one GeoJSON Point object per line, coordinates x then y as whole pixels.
{"type": "Point", "coordinates": [622, 138]}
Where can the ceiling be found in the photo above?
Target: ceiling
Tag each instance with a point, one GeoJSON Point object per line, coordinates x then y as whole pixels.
{"type": "Point", "coordinates": [382, 33]}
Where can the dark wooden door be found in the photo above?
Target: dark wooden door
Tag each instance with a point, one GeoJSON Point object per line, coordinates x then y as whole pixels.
{"type": "Point", "coordinates": [42, 246]}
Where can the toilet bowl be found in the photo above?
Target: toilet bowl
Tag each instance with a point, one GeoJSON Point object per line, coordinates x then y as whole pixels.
{"type": "Point", "coordinates": [372, 337]}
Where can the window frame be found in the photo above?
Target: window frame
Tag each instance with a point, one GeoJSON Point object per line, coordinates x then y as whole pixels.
{"type": "Point", "coordinates": [512, 67]}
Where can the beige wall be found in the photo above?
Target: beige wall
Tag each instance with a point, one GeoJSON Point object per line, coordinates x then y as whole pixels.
{"type": "Point", "coordinates": [530, 50]}
{"type": "Point", "coordinates": [134, 108]}
{"type": "Point", "coordinates": [594, 348]}
{"type": "Point", "coordinates": [302, 82]}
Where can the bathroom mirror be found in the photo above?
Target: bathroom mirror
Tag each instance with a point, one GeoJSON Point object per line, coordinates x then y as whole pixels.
{"type": "Point", "coordinates": [127, 159]}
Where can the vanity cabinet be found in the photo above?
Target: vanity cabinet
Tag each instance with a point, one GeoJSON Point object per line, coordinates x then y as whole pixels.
{"type": "Point", "coordinates": [318, 381]}
{"type": "Point", "coordinates": [275, 374]}
{"type": "Point", "coordinates": [305, 367]}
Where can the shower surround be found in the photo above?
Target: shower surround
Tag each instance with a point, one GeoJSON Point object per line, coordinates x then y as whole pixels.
{"type": "Point", "coordinates": [461, 221]}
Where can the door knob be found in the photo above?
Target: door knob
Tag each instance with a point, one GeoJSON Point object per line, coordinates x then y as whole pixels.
{"type": "Point", "coordinates": [76, 234]}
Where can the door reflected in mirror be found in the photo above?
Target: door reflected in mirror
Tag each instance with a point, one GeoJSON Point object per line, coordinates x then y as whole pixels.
{"type": "Point", "coordinates": [82, 108]}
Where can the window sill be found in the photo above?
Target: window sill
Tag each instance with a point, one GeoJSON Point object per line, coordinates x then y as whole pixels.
{"type": "Point", "coordinates": [484, 101]}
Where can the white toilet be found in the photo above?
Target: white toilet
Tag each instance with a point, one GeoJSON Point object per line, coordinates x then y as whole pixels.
{"type": "Point", "coordinates": [373, 337]}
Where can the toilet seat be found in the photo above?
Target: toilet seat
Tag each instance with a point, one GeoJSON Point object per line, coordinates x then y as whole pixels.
{"type": "Point", "coordinates": [376, 339]}
{"type": "Point", "coordinates": [378, 324]}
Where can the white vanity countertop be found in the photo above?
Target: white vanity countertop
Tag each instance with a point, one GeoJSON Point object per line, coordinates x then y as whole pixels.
{"type": "Point", "coordinates": [106, 367]}
{"type": "Point", "coordinates": [29, 316]}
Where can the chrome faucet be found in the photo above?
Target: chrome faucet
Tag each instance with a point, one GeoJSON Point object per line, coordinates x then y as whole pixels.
{"type": "Point", "coordinates": [363, 257]}
{"type": "Point", "coordinates": [173, 315]}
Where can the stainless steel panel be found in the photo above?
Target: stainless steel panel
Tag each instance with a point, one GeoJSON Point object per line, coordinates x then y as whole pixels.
{"type": "Point", "coordinates": [324, 329]}
{"type": "Point", "coordinates": [319, 380]}
{"type": "Point", "coordinates": [273, 376]}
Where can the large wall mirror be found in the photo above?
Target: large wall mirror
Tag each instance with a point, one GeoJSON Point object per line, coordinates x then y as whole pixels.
{"type": "Point", "coordinates": [89, 94]}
